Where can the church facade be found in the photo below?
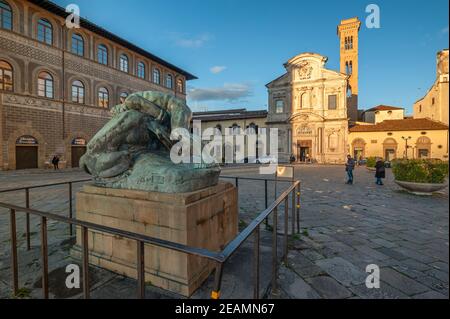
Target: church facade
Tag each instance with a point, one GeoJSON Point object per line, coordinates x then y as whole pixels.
{"type": "Point", "coordinates": [308, 104]}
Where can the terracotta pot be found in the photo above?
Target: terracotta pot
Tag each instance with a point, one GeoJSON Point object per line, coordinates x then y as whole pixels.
{"type": "Point", "coordinates": [421, 188]}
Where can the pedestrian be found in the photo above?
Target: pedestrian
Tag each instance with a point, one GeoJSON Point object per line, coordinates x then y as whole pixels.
{"type": "Point", "coordinates": [54, 162]}
{"type": "Point", "coordinates": [380, 171]}
{"type": "Point", "coordinates": [349, 167]}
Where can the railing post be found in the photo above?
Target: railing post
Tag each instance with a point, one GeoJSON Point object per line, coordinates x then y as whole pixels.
{"type": "Point", "coordinates": [274, 252]}
{"type": "Point", "coordinates": [215, 294]}
{"type": "Point", "coordinates": [237, 182]}
{"type": "Point", "coordinates": [298, 208]}
{"type": "Point", "coordinates": [70, 209]}
{"type": "Point", "coordinates": [266, 201]}
{"type": "Point", "coordinates": [44, 253]}
{"type": "Point", "coordinates": [27, 216]}
{"type": "Point", "coordinates": [14, 264]}
{"type": "Point", "coordinates": [85, 248]}
{"type": "Point", "coordinates": [293, 212]}
{"type": "Point", "coordinates": [256, 264]}
{"type": "Point", "coordinates": [141, 269]}
{"type": "Point", "coordinates": [286, 228]}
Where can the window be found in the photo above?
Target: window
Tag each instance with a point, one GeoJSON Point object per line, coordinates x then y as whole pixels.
{"type": "Point", "coordinates": [103, 97]}
{"type": "Point", "coordinates": [420, 108]}
{"type": "Point", "coordinates": [77, 44]}
{"type": "Point", "coordinates": [141, 70]}
{"type": "Point", "coordinates": [180, 86]}
{"type": "Point", "coordinates": [45, 31]}
{"type": "Point", "coordinates": [156, 76]}
{"type": "Point", "coordinates": [332, 102]}
{"type": "Point", "coordinates": [279, 106]}
{"type": "Point", "coordinates": [235, 129]}
{"type": "Point", "coordinates": [5, 16]}
{"type": "Point", "coordinates": [123, 63]}
{"type": "Point", "coordinates": [123, 97]}
{"type": "Point", "coordinates": [169, 81]}
{"type": "Point", "coordinates": [6, 76]}
{"type": "Point", "coordinates": [45, 85]}
{"type": "Point", "coordinates": [102, 54]}
{"type": "Point", "coordinates": [433, 101]}
{"type": "Point", "coordinates": [78, 92]}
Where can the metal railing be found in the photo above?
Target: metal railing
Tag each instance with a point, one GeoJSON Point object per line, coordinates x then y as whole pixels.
{"type": "Point", "coordinates": [220, 258]}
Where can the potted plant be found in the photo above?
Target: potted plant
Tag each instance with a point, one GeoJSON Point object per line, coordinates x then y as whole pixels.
{"type": "Point", "coordinates": [370, 163]}
{"type": "Point", "coordinates": [421, 177]}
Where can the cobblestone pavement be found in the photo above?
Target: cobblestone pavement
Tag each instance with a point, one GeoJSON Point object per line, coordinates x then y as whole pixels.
{"type": "Point", "coordinates": [344, 228]}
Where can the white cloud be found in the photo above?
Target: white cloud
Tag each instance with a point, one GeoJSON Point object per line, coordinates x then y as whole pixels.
{"type": "Point", "coordinates": [445, 30]}
{"type": "Point", "coordinates": [186, 41]}
{"type": "Point", "coordinates": [217, 69]}
{"type": "Point", "coordinates": [229, 92]}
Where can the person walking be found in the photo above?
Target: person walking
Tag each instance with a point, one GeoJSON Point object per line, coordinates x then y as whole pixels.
{"type": "Point", "coordinates": [380, 171]}
{"type": "Point", "coordinates": [55, 162]}
{"type": "Point", "coordinates": [349, 167]}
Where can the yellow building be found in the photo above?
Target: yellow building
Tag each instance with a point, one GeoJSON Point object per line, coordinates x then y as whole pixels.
{"type": "Point", "coordinates": [407, 138]}
{"type": "Point", "coordinates": [434, 105]}
{"type": "Point", "coordinates": [382, 113]}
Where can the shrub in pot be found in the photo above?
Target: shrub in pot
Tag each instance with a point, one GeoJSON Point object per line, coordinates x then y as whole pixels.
{"type": "Point", "coordinates": [419, 176]}
{"type": "Point", "coordinates": [370, 163]}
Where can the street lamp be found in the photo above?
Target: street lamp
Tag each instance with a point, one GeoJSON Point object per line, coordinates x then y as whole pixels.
{"type": "Point", "coordinates": [406, 139]}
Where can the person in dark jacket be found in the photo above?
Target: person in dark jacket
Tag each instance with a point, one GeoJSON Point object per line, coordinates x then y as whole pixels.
{"type": "Point", "coordinates": [380, 171]}
{"type": "Point", "coordinates": [349, 167]}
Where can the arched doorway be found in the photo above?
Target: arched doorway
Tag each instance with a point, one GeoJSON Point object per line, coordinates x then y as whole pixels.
{"type": "Point", "coordinates": [26, 152]}
{"type": "Point", "coordinates": [423, 147]}
{"type": "Point", "coordinates": [359, 148]}
{"type": "Point", "coordinates": [78, 149]}
{"type": "Point", "coordinates": [390, 149]}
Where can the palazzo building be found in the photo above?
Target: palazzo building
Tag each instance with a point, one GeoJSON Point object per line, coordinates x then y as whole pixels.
{"type": "Point", "coordinates": [57, 84]}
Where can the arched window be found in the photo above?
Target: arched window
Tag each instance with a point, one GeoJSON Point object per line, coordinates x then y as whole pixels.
{"type": "Point", "coordinates": [5, 16]}
{"type": "Point", "coordinates": [219, 127]}
{"type": "Point", "coordinates": [156, 76]}
{"type": "Point", "coordinates": [169, 81]}
{"type": "Point", "coordinates": [45, 85]}
{"type": "Point", "coordinates": [78, 92]}
{"type": "Point", "coordinates": [77, 44]}
{"type": "Point", "coordinates": [103, 97]}
{"type": "Point", "coordinates": [123, 63]}
{"type": "Point", "coordinates": [45, 31]}
{"type": "Point", "coordinates": [123, 97]}
{"type": "Point", "coordinates": [350, 68]}
{"type": "Point", "coordinates": [102, 54]}
{"type": "Point", "coordinates": [180, 86]}
{"type": "Point", "coordinates": [235, 129]}
{"type": "Point", "coordinates": [6, 76]}
{"type": "Point", "coordinates": [141, 70]}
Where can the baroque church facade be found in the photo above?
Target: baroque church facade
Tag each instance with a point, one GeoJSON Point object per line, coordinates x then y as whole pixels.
{"type": "Point", "coordinates": [312, 105]}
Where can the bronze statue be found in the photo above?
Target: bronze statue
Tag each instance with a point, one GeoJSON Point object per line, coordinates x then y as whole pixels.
{"type": "Point", "coordinates": [132, 151]}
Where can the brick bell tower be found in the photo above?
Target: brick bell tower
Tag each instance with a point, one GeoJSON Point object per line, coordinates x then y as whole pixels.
{"type": "Point", "coordinates": [348, 35]}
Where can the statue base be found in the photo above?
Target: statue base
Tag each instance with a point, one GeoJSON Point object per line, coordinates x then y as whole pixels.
{"type": "Point", "coordinates": [206, 218]}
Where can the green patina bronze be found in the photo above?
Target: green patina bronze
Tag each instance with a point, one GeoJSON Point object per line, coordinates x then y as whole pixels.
{"type": "Point", "coordinates": [132, 151]}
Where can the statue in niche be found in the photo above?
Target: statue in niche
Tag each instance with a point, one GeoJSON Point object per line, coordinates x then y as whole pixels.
{"type": "Point", "coordinates": [132, 151]}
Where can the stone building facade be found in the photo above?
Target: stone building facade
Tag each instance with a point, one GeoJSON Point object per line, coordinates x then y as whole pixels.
{"type": "Point", "coordinates": [308, 104]}
{"type": "Point", "coordinates": [58, 84]}
{"type": "Point", "coordinates": [434, 105]}
{"type": "Point", "coordinates": [238, 122]}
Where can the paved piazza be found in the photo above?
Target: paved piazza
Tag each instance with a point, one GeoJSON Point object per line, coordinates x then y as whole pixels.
{"type": "Point", "coordinates": [344, 228]}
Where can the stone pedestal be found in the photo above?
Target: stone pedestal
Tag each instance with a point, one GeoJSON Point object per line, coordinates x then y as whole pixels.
{"type": "Point", "coordinates": [206, 218]}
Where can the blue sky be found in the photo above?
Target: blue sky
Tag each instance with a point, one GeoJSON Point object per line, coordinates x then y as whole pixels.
{"type": "Point", "coordinates": [235, 47]}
